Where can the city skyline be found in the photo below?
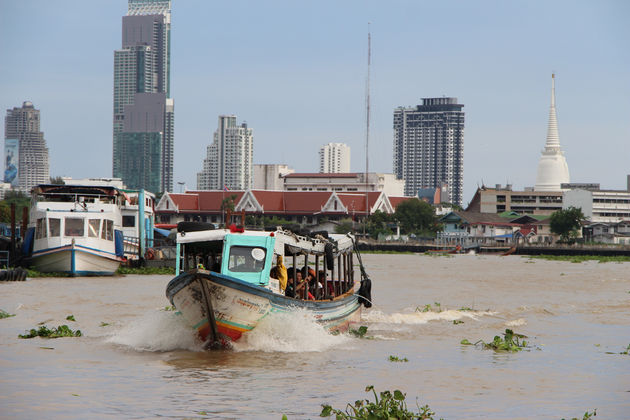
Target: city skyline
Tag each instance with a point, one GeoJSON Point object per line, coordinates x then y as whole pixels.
{"type": "Point", "coordinates": [304, 81]}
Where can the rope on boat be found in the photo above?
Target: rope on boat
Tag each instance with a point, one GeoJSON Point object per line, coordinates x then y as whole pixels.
{"type": "Point", "coordinates": [365, 291]}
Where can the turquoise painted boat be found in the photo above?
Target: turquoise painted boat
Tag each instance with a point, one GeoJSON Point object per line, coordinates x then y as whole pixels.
{"type": "Point", "coordinates": [228, 280]}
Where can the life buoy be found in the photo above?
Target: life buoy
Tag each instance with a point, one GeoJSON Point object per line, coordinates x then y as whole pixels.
{"type": "Point", "coordinates": [150, 254]}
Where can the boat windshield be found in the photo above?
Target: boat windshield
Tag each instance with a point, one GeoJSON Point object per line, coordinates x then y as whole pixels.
{"type": "Point", "coordinates": [246, 259]}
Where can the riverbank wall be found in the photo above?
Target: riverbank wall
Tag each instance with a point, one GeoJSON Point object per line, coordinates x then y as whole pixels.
{"type": "Point", "coordinates": [577, 249]}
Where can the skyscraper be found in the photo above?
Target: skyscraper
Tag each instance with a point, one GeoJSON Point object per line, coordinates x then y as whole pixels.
{"type": "Point", "coordinates": [334, 158]}
{"type": "Point", "coordinates": [429, 146]}
{"type": "Point", "coordinates": [143, 129]}
{"type": "Point", "coordinates": [552, 167]}
{"type": "Point", "coordinates": [228, 162]}
{"type": "Point", "coordinates": [25, 151]}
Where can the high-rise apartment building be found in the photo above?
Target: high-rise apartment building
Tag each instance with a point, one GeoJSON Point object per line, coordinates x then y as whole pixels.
{"type": "Point", "coordinates": [143, 129]}
{"type": "Point", "coordinates": [228, 162]}
{"type": "Point", "coordinates": [334, 158]}
{"type": "Point", "coordinates": [25, 151]}
{"type": "Point", "coordinates": [429, 146]}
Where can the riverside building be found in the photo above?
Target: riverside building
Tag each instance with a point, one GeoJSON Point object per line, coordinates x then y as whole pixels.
{"type": "Point", "coordinates": [228, 163]}
{"type": "Point", "coordinates": [429, 146]}
{"type": "Point", "coordinates": [143, 125]}
{"type": "Point", "coordinates": [25, 151]}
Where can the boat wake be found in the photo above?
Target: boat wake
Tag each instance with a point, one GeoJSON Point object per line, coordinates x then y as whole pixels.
{"type": "Point", "coordinates": [418, 317]}
{"type": "Point", "coordinates": [157, 331]}
{"type": "Point", "coordinates": [289, 332]}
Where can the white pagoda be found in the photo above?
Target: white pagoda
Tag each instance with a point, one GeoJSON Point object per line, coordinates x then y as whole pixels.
{"type": "Point", "coordinates": [552, 167]}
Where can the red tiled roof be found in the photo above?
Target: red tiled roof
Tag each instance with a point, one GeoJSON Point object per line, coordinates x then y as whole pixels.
{"type": "Point", "coordinates": [356, 201]}
{"type": "Point", "coordinates": [395, 201]}
{"type": "Point", "coordinates": [185, 202]}
{"type": "Point", "coordinates": [211, 200]}
{"type": "Point", "coordinates": [305, 201]}
{"type": "Point", "coordinates": [271, 201]}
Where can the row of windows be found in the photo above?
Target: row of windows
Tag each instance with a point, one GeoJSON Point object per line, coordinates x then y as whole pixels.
{"type": "Point", "coordinates": [74, 227]}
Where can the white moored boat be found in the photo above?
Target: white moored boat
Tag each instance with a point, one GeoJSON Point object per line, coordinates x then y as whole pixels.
{"type": "Point", "coordinates": [75, 229]}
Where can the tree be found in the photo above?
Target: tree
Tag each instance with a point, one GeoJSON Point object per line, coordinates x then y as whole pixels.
{"type": "Point", "coordinates": [344, 226]}
{"type": "Point", "coordinates": [56, 180]}
{"type": "Point", "coordinates": [566, 223]}
{"type": "Point", "coordinates": [416, 216]}
{"type": "Point", "coordinates": [378, 223]}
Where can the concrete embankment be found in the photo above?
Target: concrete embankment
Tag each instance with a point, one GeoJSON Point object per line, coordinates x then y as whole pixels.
{"type": "Point", "coordinates": [520, 250]}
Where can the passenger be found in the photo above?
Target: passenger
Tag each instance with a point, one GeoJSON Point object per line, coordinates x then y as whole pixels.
{"type": "Point", "coordinates": [331, 287]}
{"type": "Point", "coordinates": [281, 272]}
{"type": "Point", "coordinates": [315, 287]}
{"type": "Point", "coordinates": [292, 290]}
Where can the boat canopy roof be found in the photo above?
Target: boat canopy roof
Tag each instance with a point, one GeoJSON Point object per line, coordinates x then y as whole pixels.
{"type": "Point", "coordinates": [86, 190]}
{"type": "Point", "coordinates": [291, 241]}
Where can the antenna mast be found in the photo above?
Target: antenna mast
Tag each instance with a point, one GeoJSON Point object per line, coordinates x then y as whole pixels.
{"type": "Point", "coordinates": [367, 127]}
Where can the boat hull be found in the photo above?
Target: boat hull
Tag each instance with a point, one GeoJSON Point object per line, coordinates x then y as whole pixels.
{"type": "Point", "coordinates": [239, 306]}
{"type": "Point", "coordinates": [75, 260]}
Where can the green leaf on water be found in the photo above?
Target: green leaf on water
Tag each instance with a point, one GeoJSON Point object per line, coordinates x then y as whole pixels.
{"type": "Point", "coordinates": [4, 314]}
{"type": "Point", "coordinates": [70, 318]}
{"type": "Point", "coordinates": [104, 324]}
{"type": "Point", "coordinates": [465, 342]}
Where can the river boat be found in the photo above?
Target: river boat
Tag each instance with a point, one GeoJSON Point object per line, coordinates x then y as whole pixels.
{"type": "Point", "coordinates": [225, 284]}
{"type": "Point", "coordinates": [75, 229]}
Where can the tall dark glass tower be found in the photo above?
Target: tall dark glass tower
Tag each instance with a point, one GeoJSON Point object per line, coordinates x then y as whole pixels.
{"type": "Point", "coordinates": [429, 146]}
{"type": "Point", "coordinates": [143, 109]}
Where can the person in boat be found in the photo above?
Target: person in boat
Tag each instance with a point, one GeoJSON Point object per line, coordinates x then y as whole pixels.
{"type": "Point", "coordinates": [331, 287]}
{"type": "Point", "coordinates": [314, 286]}
{"type": "Point", "coordinates": [295, 287]}
{"type": "Point", "coordinates": [281, 273]}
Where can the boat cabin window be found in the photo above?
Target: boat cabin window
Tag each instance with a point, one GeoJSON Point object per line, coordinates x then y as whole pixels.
{"type": "Point", "coordinates": [94, 225]}
{"type": "Point", "coordinates": [40, 230]}
{"type": "Point", "coordinates": [246, 259]}
{"type": "Point", "coordinates": [55, 227]}
{"type": "Point", "coordinates": [74, 226]}
{"type": "Point", "coordinates": [108, 230]}
{"type": "Point", "coordinates": [129, 221]}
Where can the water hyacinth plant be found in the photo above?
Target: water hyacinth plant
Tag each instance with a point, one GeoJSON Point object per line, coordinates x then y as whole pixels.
{"type": "Point", "coordinates": [4, 314]}
{"type": "Point", "coordinates": [389, 406]}
{"type": "Point", "coordinates": [511, 342]}
{"type": "Point", "coordinates": [45, 332]}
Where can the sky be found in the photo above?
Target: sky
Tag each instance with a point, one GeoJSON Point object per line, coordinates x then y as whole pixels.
{"type": "Point", "coordinates": [296, 72]}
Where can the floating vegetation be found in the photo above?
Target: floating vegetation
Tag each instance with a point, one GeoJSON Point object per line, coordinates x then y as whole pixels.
{"type": "Point", "coordinates": [71, 318]}
{"type": "Point", "coordinates": [360, 332]}
{"type": "Point", "coordinates": [398, 359]}
{"type": "Point", "coordinates": [145, 270]}
{"type": "Point", "coordinates": [588, 415]}
{"type": "Point", "coordinates": [104, 324]}
{"type": "Point", "coordinates": [583, 258]}
{"type": "Point", "coordinates": [457, 321]}
{"type": "Point", "coordinates": [389, 251]}
{"type": "Point", "coordinates": [35, 273]}
{"type": "Point", "coordinates": [4, 314]}
{"type": "Point", "coordinates": [389, 406]}
{"type": "Point", "coordinates": [429, 308]}
{"type": "Point", "coordinates": [44, 331]}
{"type": "Point", "coordinates": [511, 342]}
{"type": "Point", "coordinates": [465, 308]}
{"type": "Point", "coordinates": [169, 308]}
{"type": "Point", "coordinates": [626, 351]}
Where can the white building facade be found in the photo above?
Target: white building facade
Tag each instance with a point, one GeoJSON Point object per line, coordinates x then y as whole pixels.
{"type": "Point", "coordinates": [270, 177]}
{"type": "Point", "coordinates": [228, 163]}
{"type": "Point", "coordinates": [345, 182]}
{"type": "Point", "coordinates": [334, 158]}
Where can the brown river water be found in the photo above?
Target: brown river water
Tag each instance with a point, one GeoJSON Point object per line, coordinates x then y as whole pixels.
{"type": "Point", "coordinates": [146, 364]}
